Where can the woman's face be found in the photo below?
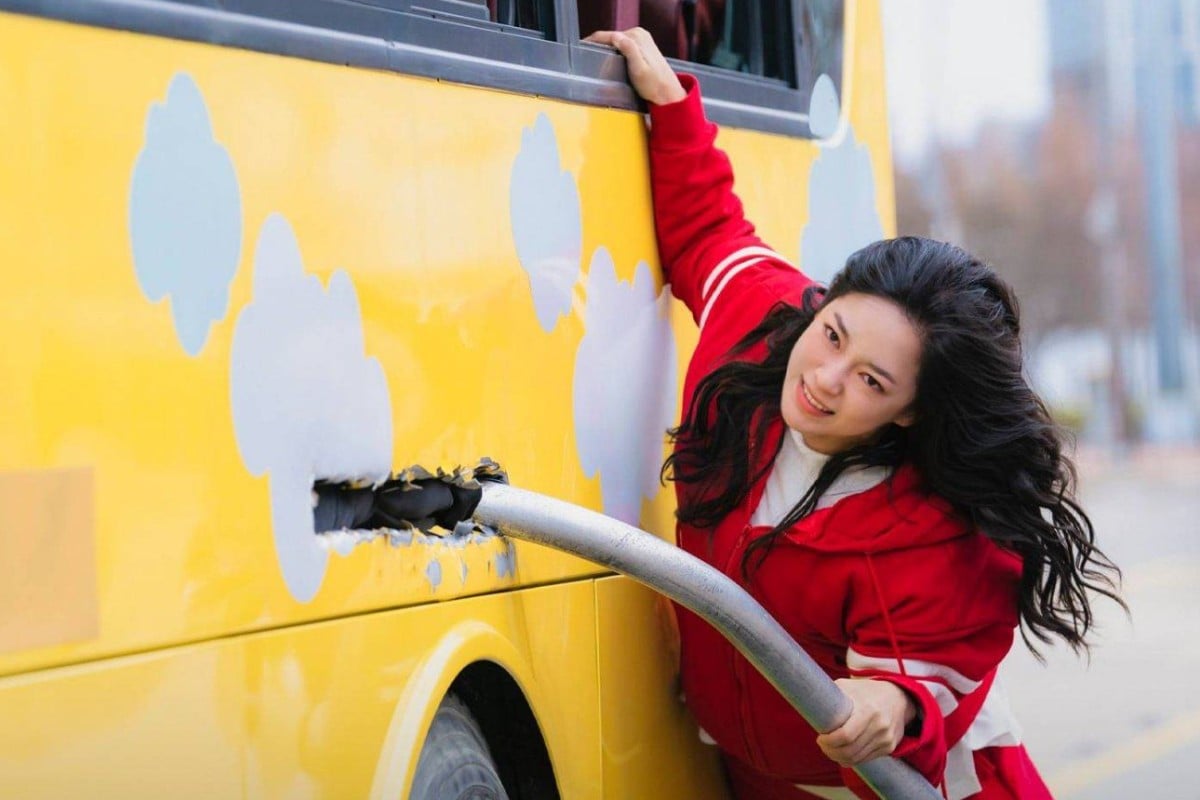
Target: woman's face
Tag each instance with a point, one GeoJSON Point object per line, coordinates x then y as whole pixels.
{"type": "Point", "coordinates": [851, 372]}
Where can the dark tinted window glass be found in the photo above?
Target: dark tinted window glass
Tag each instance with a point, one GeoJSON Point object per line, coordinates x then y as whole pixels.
{"type": "Point", "coordinates": [534, 15]}
{"type": "Point", "coordinates": [779, 40]}
{"type": "Point", "coordinates": [821, 41]}
{"type": "Point", "coordinates": [751, 36]}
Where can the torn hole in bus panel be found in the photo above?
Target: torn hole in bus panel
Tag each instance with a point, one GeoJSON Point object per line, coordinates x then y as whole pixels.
{"type": "Point", "coordinates": [439, 504]}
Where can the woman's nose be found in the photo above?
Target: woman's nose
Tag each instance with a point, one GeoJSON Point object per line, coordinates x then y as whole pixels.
{"type": "Point", "coordinates": [827, 378]}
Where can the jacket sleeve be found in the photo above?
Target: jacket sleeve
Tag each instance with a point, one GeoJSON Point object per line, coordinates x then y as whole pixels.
{"type": "Point", "coordinates": [942, 624]}
{"type": "Point", "coordinates": [704, 238]}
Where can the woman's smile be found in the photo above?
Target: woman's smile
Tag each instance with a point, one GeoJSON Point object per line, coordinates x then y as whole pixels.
{"type": "Point", "coordinates": [808, 403]}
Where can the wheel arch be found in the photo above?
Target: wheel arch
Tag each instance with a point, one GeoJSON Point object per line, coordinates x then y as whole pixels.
{"type": "Point", "coordinates": [485, 669]}
{"type": "Point", "coordinates": [510, 728]}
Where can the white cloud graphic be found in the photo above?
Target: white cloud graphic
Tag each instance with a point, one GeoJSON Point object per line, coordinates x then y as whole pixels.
{"type": "Point", "coordinates": [185, 214]}
{"type": "Point", "coordinates": [823, 108]}
{"type": "Point", "coordinates": [307, 402]}
{"type": "Point", "coordinates": [841, 188]}
{"type": "Point", "coordinates": [625, 385]}
{"type": "Point", "coordinates": [546, 227]}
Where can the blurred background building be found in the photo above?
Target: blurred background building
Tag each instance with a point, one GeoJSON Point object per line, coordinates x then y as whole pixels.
{"type": "Point", "coordinates": [1060, 141]}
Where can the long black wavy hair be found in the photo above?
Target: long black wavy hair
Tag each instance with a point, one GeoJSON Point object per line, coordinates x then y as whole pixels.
{"type": "Point", "coordinates": [982, 439]}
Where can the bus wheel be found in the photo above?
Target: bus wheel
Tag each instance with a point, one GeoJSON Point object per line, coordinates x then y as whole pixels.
{"type": "Point", "coordinates": [455, 763]}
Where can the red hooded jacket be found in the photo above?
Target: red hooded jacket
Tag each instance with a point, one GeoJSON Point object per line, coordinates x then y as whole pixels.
{"type": "Point", "coordinates": [888, 583]}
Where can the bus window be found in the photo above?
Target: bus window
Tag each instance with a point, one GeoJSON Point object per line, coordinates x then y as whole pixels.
{"type": "Point", "coordinates": [533, 15]}
{"type": "Point", "coordinates": [615, 15]}
{"type": "Point", "coordinates": [750, 36]}
{"type": "Point", "coordinates": [720, 37]}
{"type": "Point", "coordinates": [821, 36]}
{"type": "Point", "coordinates": [528, 15]}
{"type": "Point", "coordinates": [756, 37]}
{"type": "Point", "coordinates": [758, 60]}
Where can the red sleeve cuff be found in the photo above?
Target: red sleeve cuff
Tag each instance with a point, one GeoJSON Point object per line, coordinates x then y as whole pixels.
{"type": "Point", "coordinates": [681, 124]}
{"type": "Point", "coordinates": [926, 749]}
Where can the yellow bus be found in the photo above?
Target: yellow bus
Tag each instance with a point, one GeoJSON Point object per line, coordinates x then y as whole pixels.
{"type": "Point", "coordinates": [251, 245]}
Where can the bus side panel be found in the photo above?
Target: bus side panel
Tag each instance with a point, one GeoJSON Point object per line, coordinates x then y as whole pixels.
{"type": "Point", "coordinates": [642, 714]}
{"type": "Point", "coordinates": [313, 203]}
{"type": "Point", "coordinates": [165, 724]}
{"type": "Point", "coordinates": [311, 711]}
{"type": "Point", "coordinates": [868, 112]}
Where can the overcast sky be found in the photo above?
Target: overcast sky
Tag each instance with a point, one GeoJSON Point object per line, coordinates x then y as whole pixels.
{"type": "Point", "coordinates": [953, 66]}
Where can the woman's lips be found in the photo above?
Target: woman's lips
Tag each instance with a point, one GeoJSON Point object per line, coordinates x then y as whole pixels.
{"type": "Point", "coordinates": [808, 403]}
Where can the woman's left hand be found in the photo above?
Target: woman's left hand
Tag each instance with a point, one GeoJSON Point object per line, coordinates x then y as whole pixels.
{"type": "Point", "coordinates": [875, 726]}
{"type": "Point", "coordinates": [649, 72]}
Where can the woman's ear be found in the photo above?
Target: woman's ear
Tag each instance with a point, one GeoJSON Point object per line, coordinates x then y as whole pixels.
{"type": "Point", "coordinates": [906, 418]}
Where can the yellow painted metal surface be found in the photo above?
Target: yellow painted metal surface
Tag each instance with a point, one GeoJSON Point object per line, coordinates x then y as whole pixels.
{"type": "Point", "coordinates": [46, 517]}
{"type": "Point", "coordinates": [335, 709]}
{"type": "Point", "coordinates": [176, 659]}
{"type": "Point", "coordinates": [642, 714]}
{"type": "Point", "coordinates": [163, 724]}
{"type": "Point", "coordinates": [386, 177]}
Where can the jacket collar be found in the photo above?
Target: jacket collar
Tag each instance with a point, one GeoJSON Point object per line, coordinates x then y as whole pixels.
{"type": "Point", "coordinates": [896, 514]}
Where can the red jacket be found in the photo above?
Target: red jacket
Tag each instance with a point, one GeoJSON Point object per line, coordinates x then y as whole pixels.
{"type": "Point", "coordinates": [889, 583]}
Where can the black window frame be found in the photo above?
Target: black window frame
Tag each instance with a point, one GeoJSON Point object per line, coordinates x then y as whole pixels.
{"type": "Point", "coordinates": [399, 36]}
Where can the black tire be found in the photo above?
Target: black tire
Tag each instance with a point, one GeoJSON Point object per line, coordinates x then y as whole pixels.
{"type": "Point", "coordinates": [455, 763]}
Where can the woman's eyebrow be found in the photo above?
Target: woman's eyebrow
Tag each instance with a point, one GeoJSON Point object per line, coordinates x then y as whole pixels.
{"type": "Point", "coordinates": [846, 336]}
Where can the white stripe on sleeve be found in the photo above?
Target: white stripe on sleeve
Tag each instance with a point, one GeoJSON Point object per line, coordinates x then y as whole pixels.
{"type": "Point", "coordinates": [914, 667]}
{"type": "Point", "coordinates": [994, 726]}
{"type": "Point", "coordinates": [725, 271]}
{"type": "Point", "coordinates": [730, 260]}
{"type": "Point", "coordinates": [729, 275]}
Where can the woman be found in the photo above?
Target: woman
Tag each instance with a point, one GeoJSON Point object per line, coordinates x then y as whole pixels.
{"type": "Point", "coordinates": [870, 462]}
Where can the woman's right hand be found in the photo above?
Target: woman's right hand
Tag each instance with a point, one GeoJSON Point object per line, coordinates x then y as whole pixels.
{"type": "Point", "coordinates": [649, 72]}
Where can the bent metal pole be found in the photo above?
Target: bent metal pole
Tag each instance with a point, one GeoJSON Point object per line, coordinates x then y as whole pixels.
{"type": "Point", "coordinates": [690, 582]}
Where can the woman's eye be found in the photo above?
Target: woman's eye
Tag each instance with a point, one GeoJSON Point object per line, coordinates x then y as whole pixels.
{"type": "Point", "coordinates": [831, 334]}
{"type": "Point", "coordinates": [874, 384]}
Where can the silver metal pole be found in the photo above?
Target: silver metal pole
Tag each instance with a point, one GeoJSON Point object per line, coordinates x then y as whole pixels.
{"type": "Point", "coordinates": [695, 585]}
